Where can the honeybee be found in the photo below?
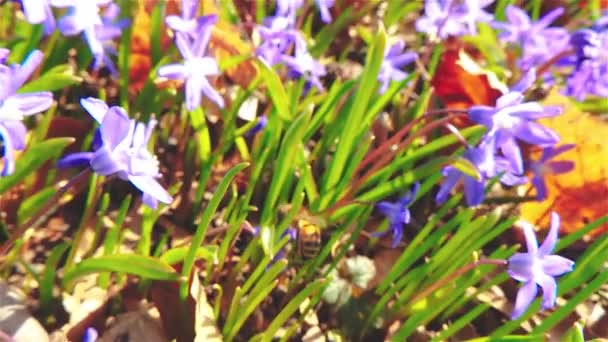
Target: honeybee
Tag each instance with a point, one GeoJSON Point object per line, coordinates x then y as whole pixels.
{"type": "Point", "coordinates": [309, 238]}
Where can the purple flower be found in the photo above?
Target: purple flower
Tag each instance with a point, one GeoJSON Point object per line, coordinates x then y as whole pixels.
{"type": "Point", "coordinates": [287, 9]}
{"type": "Point", "coordinates": [302, 64]}
{"type": "Point", "coordinates": [278, 32]}
{"type": "Point", "coordinates": [260, 125]}
{"type": "Point", "coordinates": [513, 119]}
{"type": "Point", "coordinates": [324, 6]}
{"type": "Point", "coordinates": [123, 151]}
{"type": "Point", "coordinates": [520, 27]}
{"type": "Point", "coordinates": [541, 48]}
{"type": "Point", "coordinates": [188, 23]}
{"type": "Point", "coordinates": [482, 158]}
{"type": "Point", "coordinates": [544, 165]}
{"type": "Point", "coordinates": [39, 12]}
{"type": "Point", "coordinates": [292, 235]}
{"type": "Point", "coordinates": [444, 18]}
{"type": "Point", "coordinates": [589, 64]}
{"type": "Point", "coordinates": [90, 335]}
{"type": "Point", "coordinates": [398, 213]}
{"type": "Point", "coordinates": [538, 41]}
{"type": "Point", "coordinates": [80, 16]}
{"type": "Point", "coordinates": [98, 30]}
{"type": "Point", "coordinates": [395, 58]}
{"type": "Point", "coordinates": [13, 106]}
{"type": "Point", "coordinates": [538, 267]}
{"type": "Point", "coordinates": [196, 67]}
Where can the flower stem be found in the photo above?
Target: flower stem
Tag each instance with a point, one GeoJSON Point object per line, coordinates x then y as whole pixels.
{"type": "Point", "coordinates": [385, 152]}
{"type": "Point", "coordinates": [464, 269]}
{"type": "Point", "coordinates": [76, 184]}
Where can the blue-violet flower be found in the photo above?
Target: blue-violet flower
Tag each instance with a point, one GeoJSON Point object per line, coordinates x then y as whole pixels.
{"type": "Point", "coordinates": [395, 58]}
{"type": "Point", "coordinates": [196, 67]}
{"type": "Point", "coordinates": [398, 213]}
{"type": "Point", "coordinates": [513, 118]}
{"type": "Point", "coordinates": [538, 267]}
{"type": "Point", "coordinates": [13, 106]}
{"type": "Point", "coordinates": [444, 18]}
{"type": "Point", "coordinates": [39, 12]}
{"type": "Point", "coordinates": [544, 165]}
{"type": "Point", "coordinates": [123, 151]}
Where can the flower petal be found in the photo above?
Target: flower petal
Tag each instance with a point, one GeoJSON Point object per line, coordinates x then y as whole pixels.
{"type": "Point", "coordinates": [386, 208]}
{"type": "Point", "coordinates": [180, 24]}
{"type": "Point", "coordinates": [509, 99]}
{"type": "Point", "coordinates": [17, 132]}
{"type": "Point", "coordinates": [173, 71]}
{"type": "Point", "coordinates": [541, 188]}
{"type": "Point", "coordinates": [103, 162]}
{"type": "Point", "coordinates": [31, 62]}
{"type": "Point", "coordinates": [547, 283]}
{"type": "Point", "coordinates": [211, 93]}
{"type": "Point", "coordinates": [409, 197]}
{"type": "Point", "coordinates": [536, 134]}
{"type": "Point", "coordinates": [193, 93]}
{"type": "Point", "coordinates": [555, 265]}
{"type": "Point", "coordinates": [561, 166]}
{"type": "Point", "coordinates": [149, 200]}
{"type": "Point", "coordinates": [452, 176]}
{"type": "Point", "coordinates": [115, 126]}
{"type": "Point", "coordinates": [95, 107]}
{"type": "Point", "coordinates": [150, 186]}
{"type": "Point", "coordinates": [29, 103]}
{"type": "Point", "coordinates": [397, 233]}
{"type": "Point", "coordinates": [551, 239]}
{"type": "Point", "coordinates": [551, 152]}
{"type": "Point", "coordinates": [512, 153]}
{"type": "Point", "coordinates": [482, 115]}
{"type": "Point", "coordinates": [71, 25]}
{"type": "Point", "coordinates": [75, 160]}
{"type": "Point", "coordinates": [474, 191]}
{"type": "Point", "coordinates": [531, 242]}
{"type": "Point", "coordinates": [9, 151]}
{"type": "Point", "coordinates": [525, 296]}
{"type": "Point", "coordinates": [519, 266]}
{"type": "Point", "coordinates": [181, 41]}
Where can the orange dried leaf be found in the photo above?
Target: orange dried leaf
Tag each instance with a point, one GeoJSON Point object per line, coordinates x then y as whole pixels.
{"type": "Point", "coordinates": [460, 82]}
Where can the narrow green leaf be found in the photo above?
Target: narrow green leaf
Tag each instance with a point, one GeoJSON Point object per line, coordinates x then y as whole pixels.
{"type": "Point", "coordinates": [48, 277]}
{"type": "Point", "coordinates": [143, 266]}
{"type": "Point", "coordinates": [354, 127]}
{"type": "Point", "coordinates": [277, 92]}
{"type": "Point", "coordinates": [284, 165]}
{"type": "Point", "coordinates": [201, 229]}
{"type": "Point", "coordinates": [59, 77]}
{"type": "Point", "coordinates": [290, 308]}
{"type": "Point", "coordinates": [178, 254]}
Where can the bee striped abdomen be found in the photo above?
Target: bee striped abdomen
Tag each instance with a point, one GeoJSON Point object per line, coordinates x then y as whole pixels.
{"type": "Point", "coordinates": [309, 239]}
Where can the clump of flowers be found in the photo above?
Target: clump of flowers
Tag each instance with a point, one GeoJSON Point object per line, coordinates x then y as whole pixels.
{"type": "Point", "coordinates": [590, 62]}
{"type": "Point", "coordinates": [511, 120]}
{"type": "Point", "coordinates": [445, 18]}
{"type": "Point", "coordinates": [98, 30]}
{"type": "Point", "coordinates": [539, 42]}
{"type": "Point", "coordinates": [280, 38]}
